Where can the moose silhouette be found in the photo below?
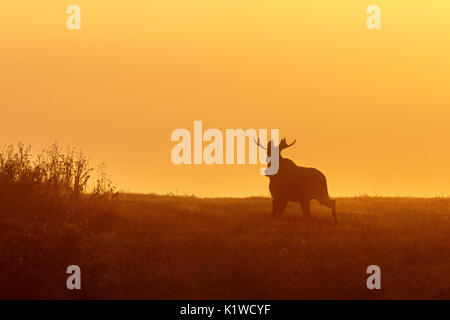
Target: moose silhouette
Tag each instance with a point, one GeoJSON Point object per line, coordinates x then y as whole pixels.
{"type": "Point", "coordinates": [295, 183]}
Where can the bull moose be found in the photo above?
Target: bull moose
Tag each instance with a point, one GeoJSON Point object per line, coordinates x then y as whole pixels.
{"type": "Point", "coordinates": [295, 183]}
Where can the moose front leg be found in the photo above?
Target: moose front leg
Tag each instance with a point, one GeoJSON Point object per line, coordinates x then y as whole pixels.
{"type": "Point", "coordinates": [305, 204]}
{"type": "Point", "coordinates": [278, 206]}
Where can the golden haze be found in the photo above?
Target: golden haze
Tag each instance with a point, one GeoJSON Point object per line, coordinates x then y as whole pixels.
{"type": "Point", "coordinates": [368, 108]}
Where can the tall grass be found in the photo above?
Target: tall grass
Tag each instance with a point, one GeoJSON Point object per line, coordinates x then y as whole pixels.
{"type": "Point", "coordinates": [55, 211]}
{"type": "Point", "coordinates": [53, 180]}
{"type": "Point", "coordinates": [47, 201]}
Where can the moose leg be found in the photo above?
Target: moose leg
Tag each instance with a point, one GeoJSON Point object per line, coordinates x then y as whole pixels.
{"type": "Point", "coordinates": [330, 204]}
{"type": "Point", "coordinates": [278, 206]}
{"type": "Point", "coordinates": [305, 203]}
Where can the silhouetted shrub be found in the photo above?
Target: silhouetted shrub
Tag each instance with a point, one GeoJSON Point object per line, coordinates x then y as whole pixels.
{"type": "Point", "coordinates": [52, 182]}
{"type": "Point", "coordinates": [51, 205]}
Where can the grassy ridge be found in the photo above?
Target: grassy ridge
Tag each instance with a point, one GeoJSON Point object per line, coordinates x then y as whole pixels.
{"type": "Point", "coordinates": [172, 247]}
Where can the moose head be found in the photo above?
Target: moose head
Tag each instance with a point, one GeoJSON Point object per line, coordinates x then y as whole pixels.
{"type": "Point", "coordinates": [273, 163]}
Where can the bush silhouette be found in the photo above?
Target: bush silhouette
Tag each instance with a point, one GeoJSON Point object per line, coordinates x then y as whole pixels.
{"type": "Point", "coordinates": [47, 203]}
{"type": "Point", "coordinates": [53, 180]}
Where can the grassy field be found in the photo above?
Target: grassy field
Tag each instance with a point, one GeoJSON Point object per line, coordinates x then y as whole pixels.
{"type": "Point", "coordinates": [173, 247]}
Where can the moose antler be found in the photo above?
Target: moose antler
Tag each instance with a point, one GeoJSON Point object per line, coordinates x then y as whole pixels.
{"type": "Point", "coordinates": [284, 145]}
{"type": "Point", "coordinates": [259, 144]}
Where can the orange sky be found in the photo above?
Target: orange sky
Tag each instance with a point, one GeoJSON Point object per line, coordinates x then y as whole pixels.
{"type": "Point", "coordinates": [370, 108]}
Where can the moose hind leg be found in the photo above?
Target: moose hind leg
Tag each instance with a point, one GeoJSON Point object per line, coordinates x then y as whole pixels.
{"type": "Point", "coordinates": [278, 206]}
